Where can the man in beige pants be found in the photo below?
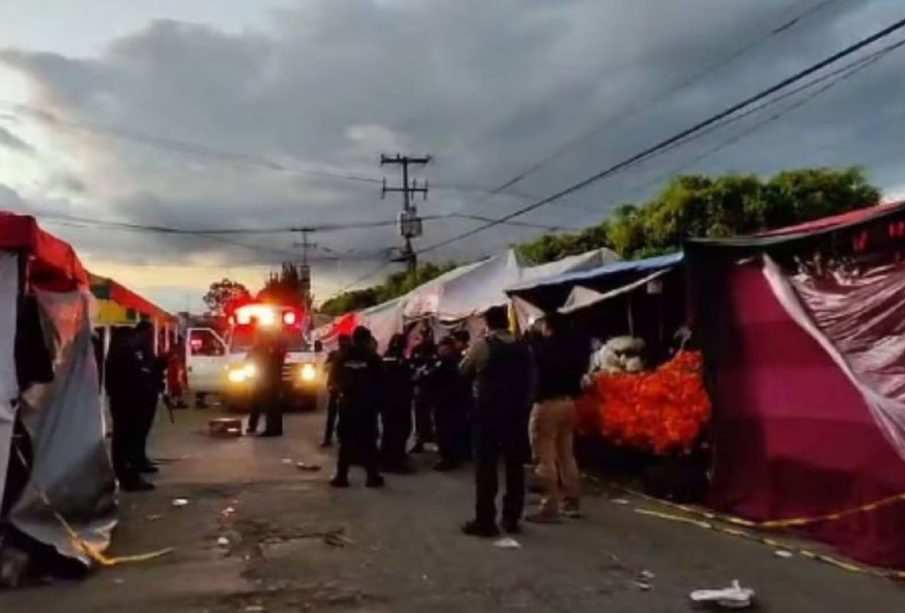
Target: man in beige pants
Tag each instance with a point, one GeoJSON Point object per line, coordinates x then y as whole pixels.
{"type": "Point", "coordinates": [560, 366]}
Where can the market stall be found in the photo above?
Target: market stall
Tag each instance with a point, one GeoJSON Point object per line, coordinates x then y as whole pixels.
{"type": "Point", "coordinates": [804, 345]}
{"type": "Point", "coordinates": [641, 298]}
{"type": "Point", "coordinates": [120, 307]}
{"type": "Point", "coordinates": [458, 298]}
{"type": "Point", "coordinates": [56, 482]}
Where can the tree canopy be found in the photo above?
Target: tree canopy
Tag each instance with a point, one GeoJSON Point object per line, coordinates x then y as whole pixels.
{"type": "Point", "coordinates": [396, 285]}
{"type": "Point", "coordinates": [290, 285]}
{"type": "Point", "coordinates": [221, 293]}
{"type": "Point", "coordinates": [714, 207]}
{"type": "Point", "coordinates": [688, 206]}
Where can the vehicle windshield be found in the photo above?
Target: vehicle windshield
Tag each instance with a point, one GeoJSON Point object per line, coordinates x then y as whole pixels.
{"type": "Point", "coordinates": [244, 337]}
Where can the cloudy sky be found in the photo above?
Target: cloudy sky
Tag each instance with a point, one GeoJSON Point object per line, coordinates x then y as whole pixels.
{"type": "Point", "coordinates": [205, 114]}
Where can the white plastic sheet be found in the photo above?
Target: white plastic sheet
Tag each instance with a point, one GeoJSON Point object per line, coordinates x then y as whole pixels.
{"type": "Point", "coordinates": [65, 422]}
{"type": "Point", "coordinates": [9, 387]}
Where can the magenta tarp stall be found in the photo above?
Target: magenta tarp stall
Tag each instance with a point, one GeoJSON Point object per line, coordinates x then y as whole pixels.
{"type": "Point", "coordinates": [804, 339]}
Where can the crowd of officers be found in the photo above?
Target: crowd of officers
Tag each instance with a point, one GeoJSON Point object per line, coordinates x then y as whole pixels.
{"type": "Point", "coordinates": [502, 399]}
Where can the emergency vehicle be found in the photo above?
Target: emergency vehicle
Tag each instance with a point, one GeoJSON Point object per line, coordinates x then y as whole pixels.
{"type": "Point", "coordinates": [218, 365]}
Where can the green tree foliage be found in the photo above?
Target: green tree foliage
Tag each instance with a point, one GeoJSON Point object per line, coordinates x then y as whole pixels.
{"type": "Point", "coordinates": [288, 286]}
{"type": "Point", "coordinates": [689, 206]}
{"type": "Point", "coordinates": [221, 293]}
{"type": "Point", "coordinates": [396, 285]}
{"type": "Point", "coordinates": [698, 206]}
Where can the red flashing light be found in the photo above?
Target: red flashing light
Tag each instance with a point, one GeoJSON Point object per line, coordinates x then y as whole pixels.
{"type": "Point", "coordinates": [290, 318]}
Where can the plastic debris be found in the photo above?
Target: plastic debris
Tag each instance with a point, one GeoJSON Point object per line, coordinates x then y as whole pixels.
{"type": "Point", "coordinates": [646, 575]}
{"type": "Point", "coordinates": [507, 543]}
{"type": "Point", "coordinates": [308, 467]}
{"type": "Point", "coordinates": [782, 553]}
{"type": "Point", "coordinates": [223, 541]}
{"type": "Point", "coordinates": [621, 501]}
{"type": "Point", "coordinates": [180, 502]}
{"type": "Point", "coordinates": [153, 517]}
{"type": "Point", "coordinates": [644, 586]}
{"type": "Point", "coordinates": [227, 511]}
{"type": "Point", "coordinates": [254, 608]}
{"type": "Point", "coordinates": [734, 597]}
{"type": "Point", "coordinates": [287, 460]}
{"type": "Point", "coordinates": [119, 581]}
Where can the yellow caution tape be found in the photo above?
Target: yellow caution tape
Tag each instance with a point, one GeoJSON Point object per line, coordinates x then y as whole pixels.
{"type": "Point", "coordinates": [736, 532]}
{"type": "Point", "coordinates": [795, 522]}
{"type": "Point", "coordinates": [93, 553]}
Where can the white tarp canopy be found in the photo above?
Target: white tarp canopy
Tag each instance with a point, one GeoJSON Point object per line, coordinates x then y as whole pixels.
{"type": "Point", "coordinates": [467, 291]}
{"type": "Point", "coordinates": [582, 297]}
{"type": "Point", "coordinates": [472, 289]}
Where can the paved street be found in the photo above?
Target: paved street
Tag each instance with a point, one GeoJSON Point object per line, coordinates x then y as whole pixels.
{"type": "Point", "coordinates": [297, 545]}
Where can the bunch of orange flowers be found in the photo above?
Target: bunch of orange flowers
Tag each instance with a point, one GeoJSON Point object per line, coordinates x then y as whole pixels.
{"type": "Point", "coordinates": [662, 411]}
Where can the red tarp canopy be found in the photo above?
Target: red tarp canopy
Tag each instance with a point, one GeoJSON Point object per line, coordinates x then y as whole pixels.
{"type": "Point", "coordinates": [792, 435]}
{"type": "Point", "coordinates": [836, 221]}
{"type": "Point", "coordinates": [104, 287]}
{"type": "Point", "coordinates": [52, 261]}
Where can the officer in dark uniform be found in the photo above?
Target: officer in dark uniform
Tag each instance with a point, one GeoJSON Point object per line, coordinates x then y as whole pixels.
{"type": "Point", "coordinates": [344, 342]}
{"type": "Point", "coordinates": [396, 417]}
{"type": "Point", "coordinates": [130, 383]}
{"type": "Point", "coordinates": [150, 395]}
{"type": "Point", "coordinates": [424, 358]}
{"type": "Point", "coordinates": [359, 380]}
{"type": "Point", "coordinates": [502, 368]}
{"type": "Point", "coordinates": [269, 357]}
{"type": "Point", "coordinates": [462, 341]}
{"type": "Point", "coordinates": [450, 417]}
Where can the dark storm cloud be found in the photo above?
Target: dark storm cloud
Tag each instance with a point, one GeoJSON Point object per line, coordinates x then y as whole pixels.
{"type": "Point", "coordinates": [489, 87]}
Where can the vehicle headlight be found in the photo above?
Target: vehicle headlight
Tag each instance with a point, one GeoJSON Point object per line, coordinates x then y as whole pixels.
{"type": "Point", "coordinates": [241, 374]}
{"type": "Point", "coordinates": [308, 372]}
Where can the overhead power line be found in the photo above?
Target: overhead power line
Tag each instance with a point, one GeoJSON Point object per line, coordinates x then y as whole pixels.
{"type": "Point", "coordinates": [637, 109]}
{"type": "Point", "coordinates": [838, 76]}
{"type": "Point", "coordinates": [189, 148]}
{"type": "Point", "coordinates": [85, 222]}
{"type": "Point", "coordinates": [713, 119]}
{"type": "Point", "coordinates": [833, 77]}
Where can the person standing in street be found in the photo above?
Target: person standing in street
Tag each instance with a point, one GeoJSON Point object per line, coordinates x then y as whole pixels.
{"type": "Point", "coordinates": [462, 341]}
{"type": "Point", "coordinates": [397, 412]}
{"type": "Point", "coordinates": [343, 343]}
{"type": "Point", "coordinates": [129, 382]}
{"type": "Point", "coordinates": [450, 417]}
{"type": "Point", "coordinates": [560, 366]}
{"type": "Point", "coordinates": [424, 358]}
{"type": "Point", "coordinates": [360, 382]}
{"type": "Point", "coordinates": [150, 393]}
{"type": "Point", "coordinates": [501, 367]}
{"type": "Point", "coordinates": [269, 357]}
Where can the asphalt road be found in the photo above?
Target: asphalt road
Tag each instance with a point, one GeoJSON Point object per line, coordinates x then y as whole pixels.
{"type": "Point", "coordinates": [294, 544]}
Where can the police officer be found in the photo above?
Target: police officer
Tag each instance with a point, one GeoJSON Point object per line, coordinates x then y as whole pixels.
{"type": "Point", "coordinates": [268, 356]}
{"type": "Point", "coordinates": [344, 342]}
{"type": "Point", "coordinates": [150, 395]}
{"type": "Point", "coordinates": [449, 406]}
{"type": "Point", "coordinates": [397, 410]}
{"type": "Point", "coordinates": [130, 383]}
{"type": "Point", "coordinates": [424, 358]}
{"type": "Point", "coordinates": [359, 380]}
{"type": "Point", "coordinates": [502, 368]}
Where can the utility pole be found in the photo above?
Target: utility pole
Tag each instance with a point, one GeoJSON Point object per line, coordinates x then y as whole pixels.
{"type": "Point", "coordinates": [410, 226]}
{"type": "Point", "coordinates": [305, 268]}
